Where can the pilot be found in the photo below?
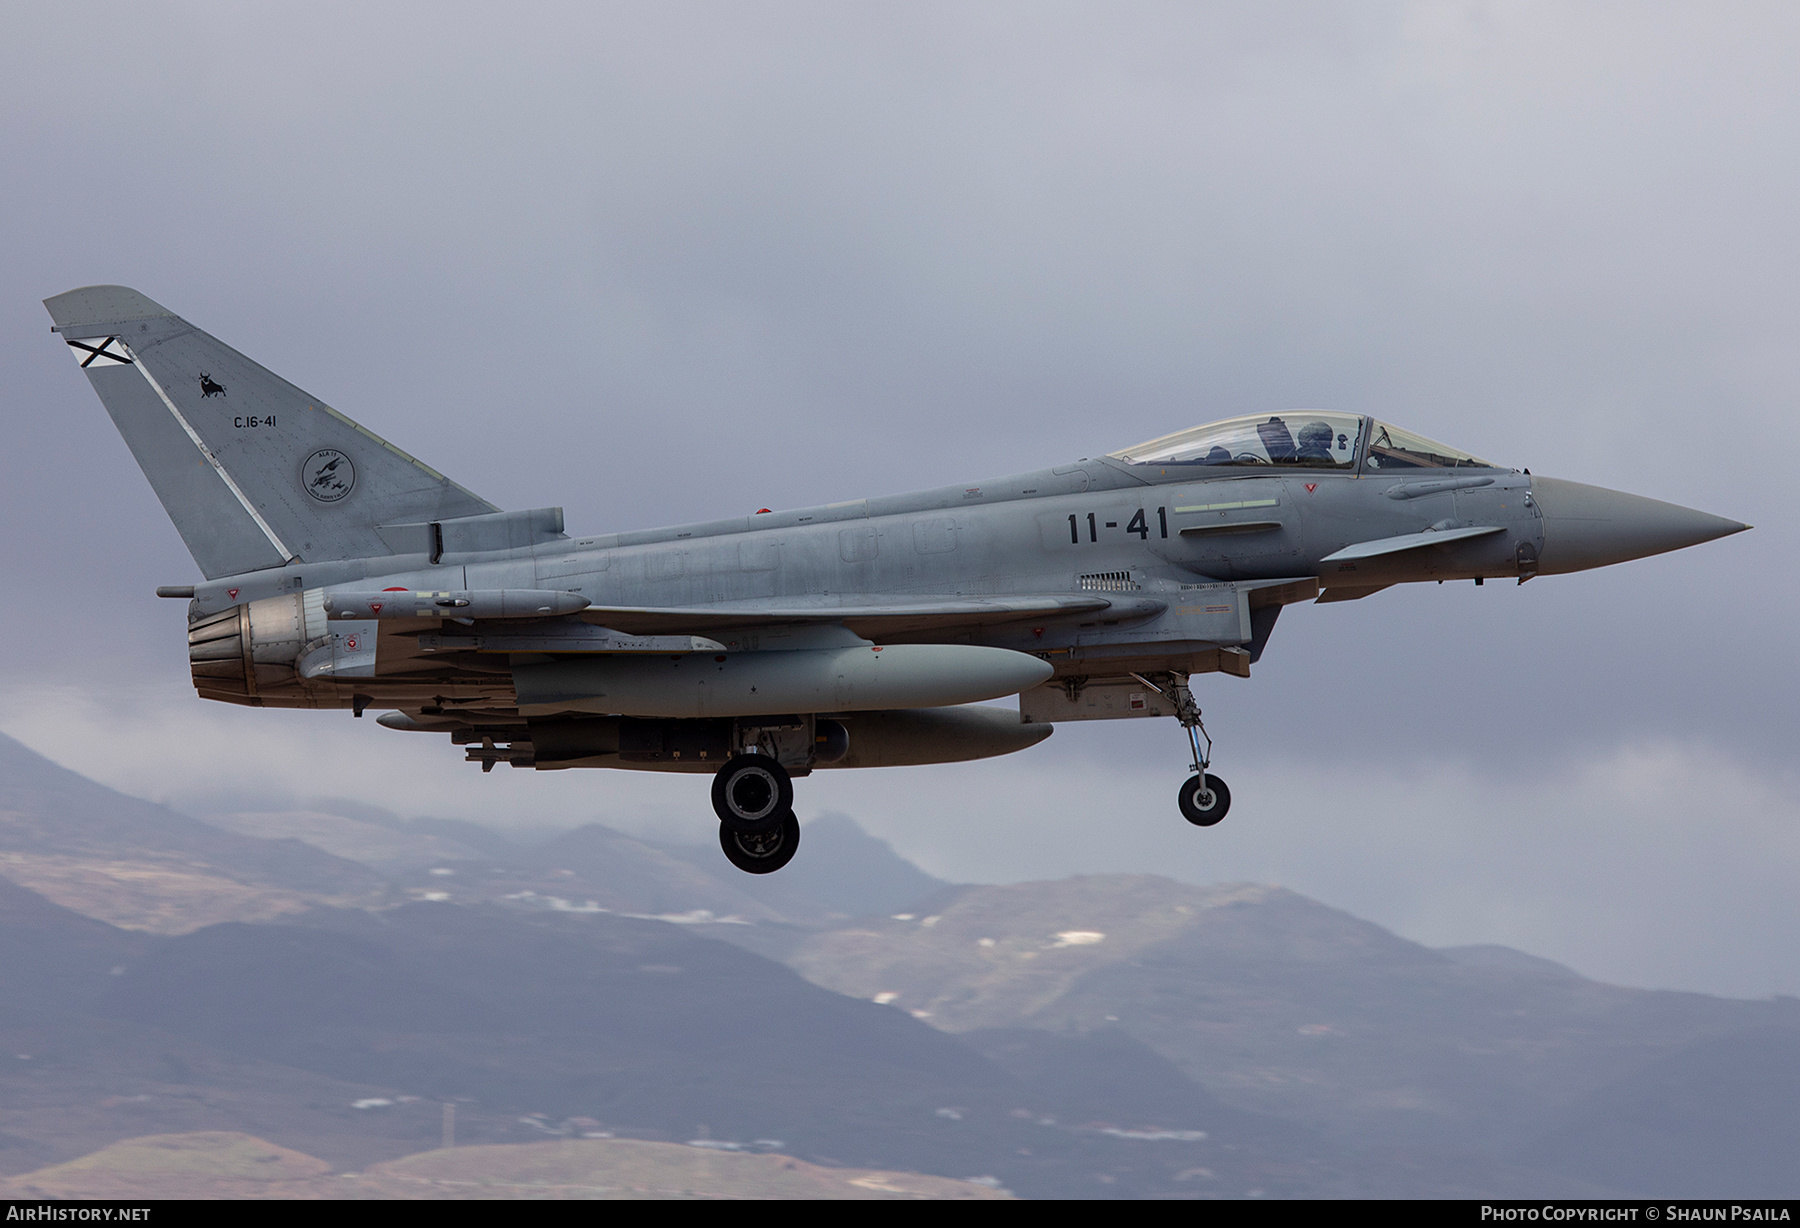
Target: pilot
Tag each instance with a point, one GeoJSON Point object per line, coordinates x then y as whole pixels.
{"type": "Point", "coordinates": [1217, 456]}
{"type": "Point", "coordinates": [1314, 443]}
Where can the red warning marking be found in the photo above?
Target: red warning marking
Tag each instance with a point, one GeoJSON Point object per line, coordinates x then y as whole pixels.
{"type": "Point", "coordinates": [1311, 486]}
{"type": "Point", "coordinates": [762, 511]}
{"type": "Point", "coordinates": [375, 606]}
{"type": "Point", "coordinates": [393, 590]}
{"type": "Point", "coordinates": [232, 593]}
{"type": "Point", "coordinates": [350, 643]}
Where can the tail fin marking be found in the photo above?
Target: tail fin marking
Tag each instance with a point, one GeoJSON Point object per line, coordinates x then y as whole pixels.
{"type": "Point", "coordinates": [280, 477]}
{"type": "Point", "coordinates": [287, 555]}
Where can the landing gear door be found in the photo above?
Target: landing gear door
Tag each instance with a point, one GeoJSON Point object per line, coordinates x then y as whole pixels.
{"type": "Point", "coordinates": [1099, 699]}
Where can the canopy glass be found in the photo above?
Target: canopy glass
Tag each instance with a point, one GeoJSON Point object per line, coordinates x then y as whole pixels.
{"type": "Point", "coordinates": [1392, 448]}
{"type": "Point", "coordinates": [1302, 439]}
{"type": "Point", "coordinates": [1305, 439]}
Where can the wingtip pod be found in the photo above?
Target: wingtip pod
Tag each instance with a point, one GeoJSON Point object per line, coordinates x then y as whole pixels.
{"type": "Point", "coordinates": [101, 307]}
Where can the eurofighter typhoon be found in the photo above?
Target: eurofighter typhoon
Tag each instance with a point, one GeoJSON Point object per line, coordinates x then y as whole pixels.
{"type": "Point", "coordinates": [342, 573]}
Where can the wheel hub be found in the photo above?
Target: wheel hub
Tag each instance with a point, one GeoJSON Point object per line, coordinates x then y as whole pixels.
{"type": "Point", "coordinates": [752, 795]}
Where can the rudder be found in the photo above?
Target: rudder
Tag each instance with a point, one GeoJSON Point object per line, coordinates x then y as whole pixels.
{"type": "Point", "coordinates": [254, 472]}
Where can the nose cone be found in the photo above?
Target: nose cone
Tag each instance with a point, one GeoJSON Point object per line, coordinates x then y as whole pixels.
{"type": "Point", "coordinates": [1591, 526]}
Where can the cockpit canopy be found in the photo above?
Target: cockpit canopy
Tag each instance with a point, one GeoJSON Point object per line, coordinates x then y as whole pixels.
{"type": "Point", "coordinates": [1392, 448]}
{"type": "Point", "coordinates": [1306, 439]}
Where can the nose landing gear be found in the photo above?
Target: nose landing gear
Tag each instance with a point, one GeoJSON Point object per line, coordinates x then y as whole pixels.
{"type": "Point", "coordinates": [1204, 799]}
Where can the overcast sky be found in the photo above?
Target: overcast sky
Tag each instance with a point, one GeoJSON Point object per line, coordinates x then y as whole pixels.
{"type": "Point", "coordinates": [658, 263]}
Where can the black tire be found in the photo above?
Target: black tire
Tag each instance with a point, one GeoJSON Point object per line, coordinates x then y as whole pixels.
{"type": "Point", "coordinates": [750, 793]}
{"type": "Point", "coordinates": [764, 852]}
{"type": "Point", "coordinates": [1204, 803]}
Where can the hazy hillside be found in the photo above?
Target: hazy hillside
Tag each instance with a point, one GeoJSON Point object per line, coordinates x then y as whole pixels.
{"type": "Point", "coordinates": [388, 847]}
{"type": "Point", "coordinates": [1276, 1003]}
{"type": "Point", "coordinates": [339, 1035]}
{"type": "Point", "coordinates": [1107, 1036]}
{"type": "Point", "coordinates": [1719, 1118]}
{"type": "Point", "coordinates": [645, 1028]}
{"type": "Point", "coordinates": [219, 1164]}
{"type": "Point", "coordinates": [845, 871]}
{"type": "Point", "coordinates": [144, 866]}
{"type": "Point", "coordinates": [51, 954]}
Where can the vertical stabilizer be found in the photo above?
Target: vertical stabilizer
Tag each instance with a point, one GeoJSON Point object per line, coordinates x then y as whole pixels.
{"type": "Point", "coordinates": [253, 471]}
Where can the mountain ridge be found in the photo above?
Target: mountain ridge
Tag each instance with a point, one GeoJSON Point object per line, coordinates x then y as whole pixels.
{"type": "Point", "coordinates": [1103, 1035]}
{"type": "Point", "coordinates": [145, 866]}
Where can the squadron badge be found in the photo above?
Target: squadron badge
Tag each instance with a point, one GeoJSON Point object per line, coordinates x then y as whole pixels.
{"type": "Point", "coordinates": [328, 475]}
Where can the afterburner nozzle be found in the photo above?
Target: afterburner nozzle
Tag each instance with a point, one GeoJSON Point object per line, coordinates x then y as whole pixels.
{"type": "Point", "coordinates": [1591, 526]}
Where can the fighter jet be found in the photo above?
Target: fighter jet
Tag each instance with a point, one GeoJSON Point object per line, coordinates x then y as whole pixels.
{"type": "Point", "coordinates": [342, 573]}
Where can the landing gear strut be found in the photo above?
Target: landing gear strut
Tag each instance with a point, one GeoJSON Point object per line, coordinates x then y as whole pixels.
{"type": "Point", "coordinates": [1204, 799]}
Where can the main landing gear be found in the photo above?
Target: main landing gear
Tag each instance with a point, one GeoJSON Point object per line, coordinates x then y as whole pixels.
{"type": "Point", "coordinates": [763, 854]}
{"type": "Point", "coordinates": [1204, 799]}
{"type": "Point", "coordinates": [753, 795]}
